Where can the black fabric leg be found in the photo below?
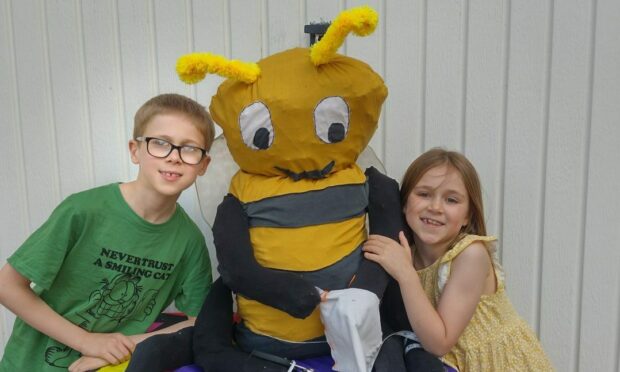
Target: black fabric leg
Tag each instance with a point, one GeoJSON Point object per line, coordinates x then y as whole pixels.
{"type": "Point", "coordinates": [214, 349]}
{"type": "Point", "coordinates": [163, 352]}
{"type": "Point", "coordinates": [390, 358]}
{"type": "Point", "coordinates": [420, 360]}
{"type": "Point", "coordinates": [214, 328]}
{"type": "Point", "coordinates": [393, 311]}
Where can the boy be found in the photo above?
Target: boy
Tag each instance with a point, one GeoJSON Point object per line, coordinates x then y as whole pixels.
{"type": "Point", "coordinates": [110, 259]}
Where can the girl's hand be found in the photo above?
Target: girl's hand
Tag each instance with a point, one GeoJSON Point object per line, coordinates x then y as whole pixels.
{"type": "Point", "coordinates": [395, 258]}
{"type": "Point", "coordinates": [114, 348]}
{"type": "Point", "coordinates": [87, 363]}
{"type": "Point", "coordinates": [324, 296]}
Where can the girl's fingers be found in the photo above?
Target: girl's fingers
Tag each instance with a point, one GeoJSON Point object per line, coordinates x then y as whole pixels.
{"type": "Point", "coordinates": [379, 238]}
{"type": "Point", "coordinates": [378, 244]}
{"type": "Point", "coordinates": [378, 247]}
{"type": "Point", "coordinates": [371, 256]}
{"type": "Point", "coordinates": [324, 296]}
{"type": "Point", "coordinates": [384, 240]}
{"type": "Point", "coordinates": [372, 246]}
{"type": "Point", "coordinates": [403, 239]}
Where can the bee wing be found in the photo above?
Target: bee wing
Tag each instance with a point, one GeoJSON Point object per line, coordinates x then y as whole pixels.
{"type": "Point", "coordinates": [214, 184]}
{"type": "Point", "coordinates": [368, 158]}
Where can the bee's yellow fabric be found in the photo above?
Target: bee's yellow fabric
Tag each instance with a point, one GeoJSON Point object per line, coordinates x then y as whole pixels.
{"type": "Point", "coordinates": [291, 87]}
{"type": "Point", "coordinates": [306, 248]}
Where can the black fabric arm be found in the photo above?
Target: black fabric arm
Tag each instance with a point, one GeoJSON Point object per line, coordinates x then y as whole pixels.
{"type": "Point", "coordinates": [241, 272]}
{"type": "Point", "coordinates": [385, 218]}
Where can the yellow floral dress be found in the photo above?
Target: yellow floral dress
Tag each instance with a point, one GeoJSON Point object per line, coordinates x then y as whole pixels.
{"type": "Point", "coordinates": [496, 338]}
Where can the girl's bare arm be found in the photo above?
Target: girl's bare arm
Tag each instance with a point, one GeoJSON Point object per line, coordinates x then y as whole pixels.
{"type": "Point", "coordinates": [439, 329]}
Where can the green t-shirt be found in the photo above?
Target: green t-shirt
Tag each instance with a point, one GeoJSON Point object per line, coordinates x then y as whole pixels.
{"type": "Point", "coordinates": [104, 268]}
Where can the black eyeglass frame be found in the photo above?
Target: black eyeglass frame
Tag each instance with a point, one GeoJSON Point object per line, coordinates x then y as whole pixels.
{"type": "Point", "coordinates": [204, 153]}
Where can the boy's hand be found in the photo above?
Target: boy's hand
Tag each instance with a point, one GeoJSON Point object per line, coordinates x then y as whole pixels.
{"type": "Point", "coordinates": [114, 348]}
{"type": "Point", "coordinates": [87, 363]}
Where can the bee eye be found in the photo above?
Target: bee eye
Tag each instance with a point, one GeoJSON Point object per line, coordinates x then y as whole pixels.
{"type": "Point", "coordinates": [256, 126]}
{"type": "Point", "coordinates": [331, 119]}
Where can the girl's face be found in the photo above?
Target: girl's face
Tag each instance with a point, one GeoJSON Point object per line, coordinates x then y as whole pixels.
{"type": "Point", "coordinates": [437, 207]}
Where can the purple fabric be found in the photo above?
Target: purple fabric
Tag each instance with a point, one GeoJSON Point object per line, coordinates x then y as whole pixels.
{"type": "Point", "coordinates": [325, 363]}
{"type": "Point", "coordinates": [318, 364]}
{"type": "Point", "coordinates": [190, 368]}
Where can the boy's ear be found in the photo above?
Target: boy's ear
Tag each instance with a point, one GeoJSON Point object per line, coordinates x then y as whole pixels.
{"type": "Point", "coordinates": [203, 165]}
{"type": "Point", "coordinates": [133, 151]}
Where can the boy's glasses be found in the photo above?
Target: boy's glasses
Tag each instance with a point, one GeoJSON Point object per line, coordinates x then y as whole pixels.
{"type": "Point", "coordinates": [160, 148]}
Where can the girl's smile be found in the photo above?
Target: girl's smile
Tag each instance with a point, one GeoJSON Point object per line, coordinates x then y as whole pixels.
{"type": "Point", "coordinates": [431, 222]}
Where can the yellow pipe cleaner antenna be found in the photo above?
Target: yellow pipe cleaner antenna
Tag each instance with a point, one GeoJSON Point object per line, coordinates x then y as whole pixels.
{"type": "Point", "coordinates": [361, 20]}
{"type": "Point", "coordinates": [193, 67]}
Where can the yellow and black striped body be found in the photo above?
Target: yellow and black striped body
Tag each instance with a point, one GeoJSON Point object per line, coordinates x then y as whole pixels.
{"type": "Point", "coordinates": [312, 227]}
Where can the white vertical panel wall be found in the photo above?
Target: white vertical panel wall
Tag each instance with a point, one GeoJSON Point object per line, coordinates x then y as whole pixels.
{"type": "Point", "coordinates": [526, 98]}
{"type": "Point", "coordinates": [529, 90]}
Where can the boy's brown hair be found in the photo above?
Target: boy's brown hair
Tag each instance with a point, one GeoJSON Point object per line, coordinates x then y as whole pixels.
{"type": "Point", "coordinates": [435, 157]}
{"type": "Point", "coordinates": [175, 103]}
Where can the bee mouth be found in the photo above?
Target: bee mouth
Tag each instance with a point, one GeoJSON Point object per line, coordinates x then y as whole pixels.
{"type": "Point", "coordinates": [313, 175]}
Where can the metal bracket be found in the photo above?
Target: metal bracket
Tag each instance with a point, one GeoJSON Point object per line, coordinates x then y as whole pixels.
{"type": "Point", "coordinates": [316, 31]}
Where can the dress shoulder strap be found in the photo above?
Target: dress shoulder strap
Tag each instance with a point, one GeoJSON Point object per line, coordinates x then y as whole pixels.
{"type": "Point", "coordinates": [465, 242]}
{"type": "Point", "coordinates": [445, 261]}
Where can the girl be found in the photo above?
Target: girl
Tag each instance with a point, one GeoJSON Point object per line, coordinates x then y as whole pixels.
{"type": "Point", "coordinates": [450, 281]}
